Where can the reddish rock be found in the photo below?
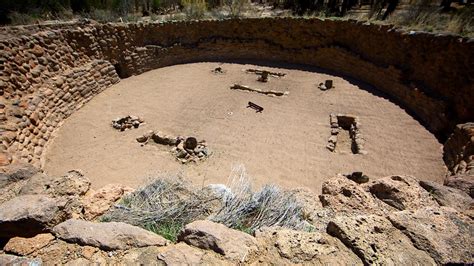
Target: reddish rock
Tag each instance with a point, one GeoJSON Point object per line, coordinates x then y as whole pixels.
{"type": "Point", "coordinates": [25, 246]}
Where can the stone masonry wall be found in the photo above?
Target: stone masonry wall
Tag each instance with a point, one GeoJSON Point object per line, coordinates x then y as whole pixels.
{"type": "Point", "coordinates": [48, 75]}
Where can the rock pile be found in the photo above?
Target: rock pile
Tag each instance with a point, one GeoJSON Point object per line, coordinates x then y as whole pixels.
{"type": "Point", "coordinates": [127, 122]}
{"type": "Point", "coordinates": [389, 220]}
{"type": "Point", "coordinates": [185, 149]}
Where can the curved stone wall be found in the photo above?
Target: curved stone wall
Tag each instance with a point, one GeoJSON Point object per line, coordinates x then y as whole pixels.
{"type": "Point", "coordinates": [48, 75]}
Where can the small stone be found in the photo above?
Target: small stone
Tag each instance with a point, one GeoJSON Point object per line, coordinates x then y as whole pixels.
{"type": "Point", "coordinates": [190, 143]}
{"type": "Point", "coordinates": [358, 177]}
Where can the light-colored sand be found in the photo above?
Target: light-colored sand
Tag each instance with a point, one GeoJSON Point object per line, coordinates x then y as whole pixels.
{"type": "Point", "coordinates": [284, 145]}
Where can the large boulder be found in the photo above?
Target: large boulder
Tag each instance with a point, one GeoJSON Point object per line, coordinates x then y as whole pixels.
{"type": "Point", "coordinates": [233, 244]}
{"type": "Point", "coordinates": [96, 203]}
{"type": "Point", "coordinates": [400, 192]}
{"type": "Point", "coordinates": [344, 195]}
{"type": "Point", "coordinates": [448, 196]}
{"type": "Point", "coordinates": [447, 235]}
{"type": "Point", "coordinates": [29, 215]}
{"type": "Point", "coordinates": [297, 247]}
{"type": "Point", "coordinates": [25, 246]}
{"type": "Point", "coordinates": [107, 236]}
{"type": "Point", "coordinates": [376, 241]}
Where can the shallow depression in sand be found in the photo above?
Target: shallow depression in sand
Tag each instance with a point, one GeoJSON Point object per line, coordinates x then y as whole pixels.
{"type": "Point", "coordinates": [285, 144]}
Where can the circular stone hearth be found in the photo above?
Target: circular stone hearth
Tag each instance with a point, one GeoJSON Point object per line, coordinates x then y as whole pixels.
{"type": "Point", "coordinates": [285, 144]}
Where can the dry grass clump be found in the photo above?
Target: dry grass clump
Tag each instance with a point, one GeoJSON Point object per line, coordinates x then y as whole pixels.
{"type": "Point", "coordinates": [167, 204]}
{"type": "Point", "coordinates": [194, 9]}
{"type": "Point", "coordinates": [432, 19]}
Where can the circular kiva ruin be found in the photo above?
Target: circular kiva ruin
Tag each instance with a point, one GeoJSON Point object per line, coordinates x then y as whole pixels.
{"type": "Point", "coordinates": [365, 131]}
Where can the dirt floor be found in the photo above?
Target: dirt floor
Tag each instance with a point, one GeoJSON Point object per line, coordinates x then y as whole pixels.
{"type": "Point", "coordinates": [285, 144]}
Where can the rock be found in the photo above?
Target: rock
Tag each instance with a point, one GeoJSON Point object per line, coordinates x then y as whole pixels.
{"type": "Point", "coordinates": [305, 247]}
{"type": "Point", "coordinates": [461, 182]}
{"type": "Point", "coordinates": [25, 246]}
{"type": "Point", "coordinates": [29, 215]}
{"type": "Point", "coordinates": [145, 137]}
{"type": "Point", "coordinates": [376, 241]}
{"type": "Point", "coordinates": [401, 192]}
{"type": "Point", "coordinates": [141, 256]}
{"type": "Point", "coordinates": [230, 243]}
{"type": "Point", "coordinates": [182, 254]}
{"type": "Point", "coordinates": [358, 177]}
{"type": "Point", "coordinates": [107, 236]}
{"type": "Point", "coordinates": [6, 259]}
{"type": "Point", "coordinates": [190, 143]}
{"type": "Point", "coordinates": [160, 138]}
{"type": "Point", "coordinates": [37, 50]}
{"type": "Point", "coordinates": [59, 252]}
{"type": "Point", "coordinates": [98, 202]}
{"type": "Point", "coordinates": [73, 183]}
{"type": "Point", "coordinates": [343, 195]}
{"type": "Point", "coordinates": [16, 172]}
{"type": "Point", "coordinates": [37, 184]}
{"type": "Point", "coordinates": [4, 159]}
{"type": "Point", "coordinates": [448, 196]}
{"type": "Point", "coordinates": [444, 233]}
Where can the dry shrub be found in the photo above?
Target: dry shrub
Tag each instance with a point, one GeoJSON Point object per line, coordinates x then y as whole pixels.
{"type": "Point", "coordinates": [17, 18]}
{"type": "Point", "coordinates": [236, 7]}
{"type": "Point", "coordinates": [167, 204]}
{"type": "Point", "coordinates": [194, 9]}
{"type": "Point", "coordinates": [425, 17]}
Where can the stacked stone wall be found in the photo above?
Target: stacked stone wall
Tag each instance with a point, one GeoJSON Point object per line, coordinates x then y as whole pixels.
{"type": "Point", "coordinates": [432, 76]}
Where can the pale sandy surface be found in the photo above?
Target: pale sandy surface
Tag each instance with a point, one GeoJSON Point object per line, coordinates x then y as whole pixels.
{"type": "Point", "coordinates": [284, 145]}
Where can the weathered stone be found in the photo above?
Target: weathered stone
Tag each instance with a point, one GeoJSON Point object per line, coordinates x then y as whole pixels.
{"type": "Point", "coordinates": [73, 183]}
{"type": "Point", "coordinates": [16, 172]}
{"type": "Point", "coordinates": [25, 246]}
{"type": "Point", "coordinates": [401, 192]}
{"type": "Point", "coordinates": [29, 215]}
{"type": "Point", "coordinates": [305, 247]}
{"type": "Point", "coordinates": [444, 233]}
{"type": "Point", "coordinates": [233, 244]}
{"type": "Point", "coordinates": [98, 202]}
{"type": "Point", "coordinates": [107, 236]}
{"type": "Point", "coordinates": [142, 256]}
{"type": "Point", "coordinates": [358, 177]}
{"type": "Point", "coordinates": [462, 182]}
{"type": "Point", "coordinates": [190, 143]}
{"type": "Point", "coordinates": [376, 241]}
{"type": "Point", "coordinates": [182, 254]}
{"type": "Point", "coordinates": [448, 196]}
{"type": "Point", "coordinates": [4, 159]}
{"type": "Point", "coordinates": [6, 259]}
{"type": "Point", "coordinates": [344, 195]}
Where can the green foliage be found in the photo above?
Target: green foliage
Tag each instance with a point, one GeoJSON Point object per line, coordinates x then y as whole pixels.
{"type": "Point", "coordinates": [168, 229]}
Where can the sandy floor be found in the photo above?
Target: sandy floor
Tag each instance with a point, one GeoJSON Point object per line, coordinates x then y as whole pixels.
{"type": "Point", "coordinates": [284, 145]}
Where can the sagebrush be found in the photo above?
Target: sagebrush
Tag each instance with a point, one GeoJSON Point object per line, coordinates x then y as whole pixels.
{"type": "Point", "coordinates": [168, 203]}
